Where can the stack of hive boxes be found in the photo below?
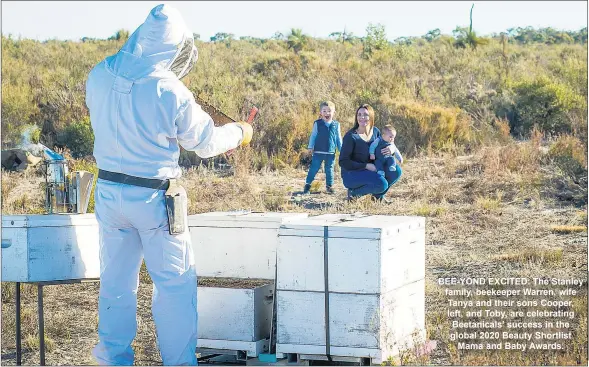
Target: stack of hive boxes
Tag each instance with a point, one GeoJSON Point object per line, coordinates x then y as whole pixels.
{"type": "Point", "coordinates": [235, 256]}
{"type": "Point", "coordinates": [371, 268]}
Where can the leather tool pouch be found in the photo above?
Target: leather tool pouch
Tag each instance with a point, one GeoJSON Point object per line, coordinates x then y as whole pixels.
{"type": "Point", "coordinates": [176, 206]}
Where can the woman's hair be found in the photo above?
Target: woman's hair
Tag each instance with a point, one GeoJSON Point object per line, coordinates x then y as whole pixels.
{"type": "Point", "coordinates": [370, 113]}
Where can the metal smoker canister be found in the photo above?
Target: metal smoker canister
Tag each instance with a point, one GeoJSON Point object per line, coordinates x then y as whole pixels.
{"type": "Point", "coordinates": [56, 199]}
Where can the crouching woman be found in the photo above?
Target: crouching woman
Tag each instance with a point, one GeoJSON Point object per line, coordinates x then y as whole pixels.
{"type": "Point", "coordinates": [358, 173]}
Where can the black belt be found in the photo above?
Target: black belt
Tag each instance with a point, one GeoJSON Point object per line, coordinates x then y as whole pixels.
{"type": "Point", "coordinates": [150, 183]}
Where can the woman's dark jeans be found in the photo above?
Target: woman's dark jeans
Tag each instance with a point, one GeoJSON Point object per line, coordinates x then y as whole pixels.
{"type": "Point", "coordinates": [364, 182]}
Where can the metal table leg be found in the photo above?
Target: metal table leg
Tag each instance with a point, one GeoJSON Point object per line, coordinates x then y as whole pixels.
{"type": "Point", "coordinates": [18, 348]}
{"type": "Point", "coordinates": [41, 325]}
{"type": "Point", "coordinates": [40, 315]}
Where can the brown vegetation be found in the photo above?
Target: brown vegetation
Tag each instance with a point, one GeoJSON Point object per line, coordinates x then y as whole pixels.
{"type": "Point", "coordinates": [495, 137]}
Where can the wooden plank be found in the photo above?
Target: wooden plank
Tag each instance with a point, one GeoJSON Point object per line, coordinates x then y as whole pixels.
{"type": "Point", "coordinates": [309, 350]}
{"type": "Point", "coordinates": [299, 348]}
{"type": "Point", "coordinates": [263, 298]}
{"type": "Point", "coordinates": [246, 219]}
{"type": "Point", "coordinates": [318, 357]}
{"type": "Point", "coordinates": [313, 226]}
{"type": "Point", "coordinates": [256, 362]}
{"type": "Point", "coordinates": [404, 344]}
{"type": "Point", "coordinates": [61, 247]}
{"type": "Point", "coordinates": [349, 226]}
{"type": "Point", "coordinates": [354, 265]}
{"type": "Point", "coordinates": [253, 349]}
{"type": "Point", "coordinates": [14, 221]}
{"type": "Point", "coordinates": [14, 255]}
{"type": "Point", "coordinates": [300, 318]}
{"type": "Point", "coordinates": [60, 253]}
{"type": "Point", "coordinates": [324, 219]}
{"type": "Point", "coordinates": [297, 228]}
{"type": "Point", "coordinates": [234, 314]}
{"type": "Point", "coordinates": [237, 245]}
{"type": "Point", "coordinates": [234, 253]}
{"type": "Point", "coordinates": [300, 263]}
{"type": "Point", "coordinates": [403, 259]}
{"type": "Point", "coordinates": [226, 314]}
{"type": "Point", "coordinates": [234, 225]}
{"type": "Point", "coordinates": [416, 224]}
{"type": "Point", "coordinates": [88, 239]}
{"type": "Point", "coordinates": [48, 220]}
{"type": "Point", "coordinates": [402, 313]}
{"type": "Point", "coordinates": [354, 320]}
{"type": "Point", "coordinates": [380, 221]}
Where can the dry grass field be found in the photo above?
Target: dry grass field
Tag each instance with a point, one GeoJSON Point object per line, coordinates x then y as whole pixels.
{"type": "Point", "coordinates": [503, 211]}
{"type": "Point", "coordinates": [496, 204]}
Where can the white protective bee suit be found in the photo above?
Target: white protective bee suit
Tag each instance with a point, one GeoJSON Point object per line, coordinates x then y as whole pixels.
{"type": "Point", "coordinates": [140, 111]}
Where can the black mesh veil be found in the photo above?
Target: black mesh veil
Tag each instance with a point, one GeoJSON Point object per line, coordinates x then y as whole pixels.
{"type": "Point", "coordinates": [186, 58]}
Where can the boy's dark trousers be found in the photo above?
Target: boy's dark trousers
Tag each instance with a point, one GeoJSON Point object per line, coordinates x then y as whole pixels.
{"type": "Point", "coordinates": [319, 158]}
{"type": "Point", "coordinates": [383, 163]}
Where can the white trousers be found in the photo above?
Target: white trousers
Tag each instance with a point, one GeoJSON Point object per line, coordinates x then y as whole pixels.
{"type": "Point", "coordinates": [134, 225]}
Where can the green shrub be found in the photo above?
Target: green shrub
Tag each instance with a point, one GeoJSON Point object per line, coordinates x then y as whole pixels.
{"type": "Point", "coordinates": [43, 84]}
{"type": "Point", "coordinates": [548, 104]}
{"type": "Point", "coordinates": [79, 138]}
{"type": "Point", "coordinates": [376, 39]}
{"type": "Point", "coordinates": [297, 40]}
{"type": "Point", "coordinates": [121, 35]}
{"type": "Point", "coordinates": [17, 110]}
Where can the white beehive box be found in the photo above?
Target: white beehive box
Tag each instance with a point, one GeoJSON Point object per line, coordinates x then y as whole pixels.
{"type": "Point", "coordinates": [237, 244]}
{"type": "Point", "coordinates": [236, 319]}
{"type": "Point", "coordinates": [38, 248]}
{"type": "Point", "coordinates": [375, 272]}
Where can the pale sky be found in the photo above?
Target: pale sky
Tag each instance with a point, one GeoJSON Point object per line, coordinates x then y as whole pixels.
{"type": "Point", "coordinates": [73, 20]}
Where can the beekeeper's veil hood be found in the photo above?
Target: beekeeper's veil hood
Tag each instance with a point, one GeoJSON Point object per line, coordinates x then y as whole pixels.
{"type": "Point", "coordinates": [160, 45]}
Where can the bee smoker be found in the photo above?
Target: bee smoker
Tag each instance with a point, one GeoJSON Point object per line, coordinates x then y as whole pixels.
{"type": "Point", "coordinates": [66, 193]}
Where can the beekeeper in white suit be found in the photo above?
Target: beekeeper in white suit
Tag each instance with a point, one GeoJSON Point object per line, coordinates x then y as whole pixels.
{"type": "Point", "coordinates": [140, 111]}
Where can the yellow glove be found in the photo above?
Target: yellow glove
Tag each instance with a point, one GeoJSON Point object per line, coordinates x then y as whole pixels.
{"type": "Point", "coordinates": [248, 132]}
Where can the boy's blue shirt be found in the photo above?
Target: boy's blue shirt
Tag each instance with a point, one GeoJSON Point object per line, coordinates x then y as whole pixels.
{"type": "Point", "coordinates": [326, 137]}
{"type": "Point", "coordinates": [378, 145]}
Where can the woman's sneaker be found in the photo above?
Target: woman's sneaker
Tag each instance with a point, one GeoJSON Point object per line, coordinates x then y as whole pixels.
{"type": "Point", "coordinates": [381, 200]}
{"type": "Point", "coordinates": [350, 197]}
{"type": "Point", "coordinates": [329, 190]}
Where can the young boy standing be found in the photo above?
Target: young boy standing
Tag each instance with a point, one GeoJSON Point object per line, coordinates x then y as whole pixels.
{"type": "Point", "coordinates": [325, 138]}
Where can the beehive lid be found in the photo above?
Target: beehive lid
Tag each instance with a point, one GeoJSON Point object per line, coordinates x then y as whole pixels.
{"type": "Point", "coordinates": [351, 226]}
{"type": "Point", "coordinates": [242, 219]}
{"type": "Point", "coordinates": [48, 220]}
